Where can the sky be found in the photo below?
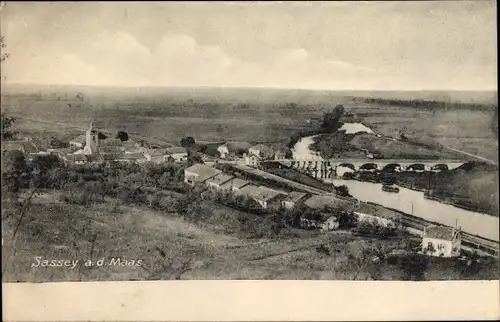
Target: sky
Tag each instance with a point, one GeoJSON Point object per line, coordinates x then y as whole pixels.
{"type": "Point", "coordinates": [362, 45]}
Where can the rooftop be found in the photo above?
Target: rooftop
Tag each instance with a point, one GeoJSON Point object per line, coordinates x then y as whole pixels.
{"type": "Point", "coordinates": [440, 232]}
{"type": "Point", "coordinates": [110, 149]}
{"type": "Point", "coordinates": [130, 156]}
{"type": "Point", "coordinates": [202, 171]}
{"type": "Point", "coordinates": [250, 190]}
{"type": "Point", "coordinates": [78, 139]}
{"type": "Point", "coordinates": [111, 142]}
{"type": "Point", "coordinates": [175, 149]}
{"type": "Point", "coordinates": [295, 196]}
{"type": "Point", "coordinates": [266, 194]}
{"type": "Point", "coordinates": [219, 179]}
{"type": "Point", "coordinates": [236, 183]}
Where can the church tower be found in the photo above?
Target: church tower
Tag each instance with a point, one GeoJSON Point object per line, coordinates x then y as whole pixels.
{"type": "Point", "coordinates": [91, 141]}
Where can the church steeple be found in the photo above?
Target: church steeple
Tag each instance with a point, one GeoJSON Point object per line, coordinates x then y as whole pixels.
{"type": "Point", "coordinates": [91, 140]}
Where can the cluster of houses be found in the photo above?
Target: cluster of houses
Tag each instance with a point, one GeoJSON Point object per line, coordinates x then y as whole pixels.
{"type": "Point", "coordinates": [217, 180]}
{"type": "Point", "coordinates": [253, 154]}
{"type": "Point", "coordinates": [439, 241]}
{"type": "Point", "coordinates": [92, 148]}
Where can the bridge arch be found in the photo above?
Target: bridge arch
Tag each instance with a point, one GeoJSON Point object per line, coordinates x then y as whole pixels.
{"type": "Point", "coordinates": [392, 167]}
{"type": "Point", "coordinates": [368, 167]}
{"type": "Point", "coordinates": [440, 167]}
{"type": "Point", "coordinates": [416, 167]}
{"type": "Point", "coordinates": [347, 165]}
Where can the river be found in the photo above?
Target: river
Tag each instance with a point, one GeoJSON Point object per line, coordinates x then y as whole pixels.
{"type": "Point", "coordinates": [411, 201]}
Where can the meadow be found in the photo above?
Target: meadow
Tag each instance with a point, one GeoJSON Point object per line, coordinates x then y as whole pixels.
{"type": "Point", "coordinates": [249, 115]}
{"type": "Point", "coordinates": [171, 247]}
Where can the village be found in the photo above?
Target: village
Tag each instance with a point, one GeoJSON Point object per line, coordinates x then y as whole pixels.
{"type": "Point", "coordinates": [208, 172]}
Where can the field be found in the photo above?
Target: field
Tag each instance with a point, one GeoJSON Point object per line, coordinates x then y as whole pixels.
{"type": "Point", "coordinates": [247, 115]}
{"type": "Point", "coordinates": [465, 130]}
{"type": "Point", "coordinates": [173, 248]}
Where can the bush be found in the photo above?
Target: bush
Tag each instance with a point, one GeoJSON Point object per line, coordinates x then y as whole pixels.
{"type": "Point", "coordinates": [375, 228]}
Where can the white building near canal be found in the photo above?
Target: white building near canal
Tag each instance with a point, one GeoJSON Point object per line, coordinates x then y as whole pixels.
{"type": "Point", "coordinates": [441, 241]}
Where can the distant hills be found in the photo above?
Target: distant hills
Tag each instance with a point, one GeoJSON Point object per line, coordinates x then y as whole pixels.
{"type": "Point", "coordinates": [238, 94]}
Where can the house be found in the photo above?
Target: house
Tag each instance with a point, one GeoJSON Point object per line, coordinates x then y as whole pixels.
{"type": "Point", "coordinates": [249, 191]}
{"type": "Point", "coordinates": [129, 158]}
{"type": "Point", "coordinates": [280, 155]}
{"type": "Point", "coordinates": [78, 141]}
{"type": "Point", "coordinates": [131, 146]}
{"type": "Point", "coordinates": [217, 181]}
{"type": "Point", "coordinates": [252, 160]}
{"type": "Point", "coordinates": [233, 149]}
{"type": "Point", "coordinates": [441, 241]}
{"type": "Point", "coordinates": [179, 154]}
{"type": "Point", "coordinates": [156, 156]}
{"type": "Point", "coordinates": [267, 198]}
{"type": "Point", "coordinates": [32, 156]}
{"type": "Point", "coordinates": [293, 199]}
{"type": "Point", "coordinates": [75, 159]}
{"type": "Point", "coordinates": [263, 151]}
{"type": "Point", "coordinates": [234, 185]}
{"type": "Point", "coordinates": [199, 173]}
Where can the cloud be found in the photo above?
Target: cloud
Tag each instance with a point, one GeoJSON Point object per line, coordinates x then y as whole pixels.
{"type": "Point", "coordinates": [261, 45]}
{"type": "Point", "coordinates": [340, 64]}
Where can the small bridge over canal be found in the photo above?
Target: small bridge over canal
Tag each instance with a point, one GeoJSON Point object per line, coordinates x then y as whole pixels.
{"type": "Point", "coordinates": [327, 168]}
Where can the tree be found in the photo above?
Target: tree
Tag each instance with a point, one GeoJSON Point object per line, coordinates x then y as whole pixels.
{"type": "Point", "coordinates": [331, 120]}
{"type": "Point", "coordinates": [122, 135]}
{"type": "Point", "coordinates": [55, 143]}
{"type": "Point", "coordinates": [343, 191]}
{"type": "Point", "coordinates": [14, 171]}
{"type": "Point", "coordinates": [187, 142]}
{"type": "Point", "coordinates": [7, 132]}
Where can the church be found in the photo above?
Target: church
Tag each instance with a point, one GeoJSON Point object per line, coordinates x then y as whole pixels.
{"type": "Point", "coordinates": [98, 149]}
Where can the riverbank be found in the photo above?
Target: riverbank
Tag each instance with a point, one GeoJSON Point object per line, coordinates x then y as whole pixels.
{"type": "Point", "coordinates": [463, 187]}
{"type": "Point", "coordinates": [413, 202]}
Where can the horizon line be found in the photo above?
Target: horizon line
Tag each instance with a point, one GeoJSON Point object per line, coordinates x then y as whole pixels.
{"type": "Point", "coordinates": [7, 83]}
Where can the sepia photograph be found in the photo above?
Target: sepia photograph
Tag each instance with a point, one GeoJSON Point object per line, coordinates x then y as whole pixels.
{"type": "Point", "coordinates": [333, 141]}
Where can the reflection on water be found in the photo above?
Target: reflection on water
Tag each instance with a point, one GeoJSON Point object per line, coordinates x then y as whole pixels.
{"type": "Point", "coordinates": [301, 150]}
{"type": "Point", "coordinates": [351, 128]}
{"type": "Point", "coordinates": [409, 200]}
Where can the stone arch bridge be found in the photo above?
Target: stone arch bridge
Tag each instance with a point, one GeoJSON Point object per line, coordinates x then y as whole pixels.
{"type": "Point", "coordinates": [327, 168]}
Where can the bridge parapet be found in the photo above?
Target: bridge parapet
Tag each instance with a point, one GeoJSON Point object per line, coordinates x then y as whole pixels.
{"type": "Point", "coordinates": [380, 163]}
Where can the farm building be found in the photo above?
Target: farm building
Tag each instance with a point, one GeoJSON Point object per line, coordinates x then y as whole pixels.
{"type": "Point", "coordinates": [441, 241]}
{"type": "Point", "coordinates": [199, 173]}
{"type": "Point", "coordinates": [217, 181]}
{"type": "Point", "coordinates": [264, 196]}
{"type": "Point", "coordinates": [293, 199]}
{"type": "Point", "coordinates": [177, 153]}
{"type": "Point", "coordinates": [234, 185]}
